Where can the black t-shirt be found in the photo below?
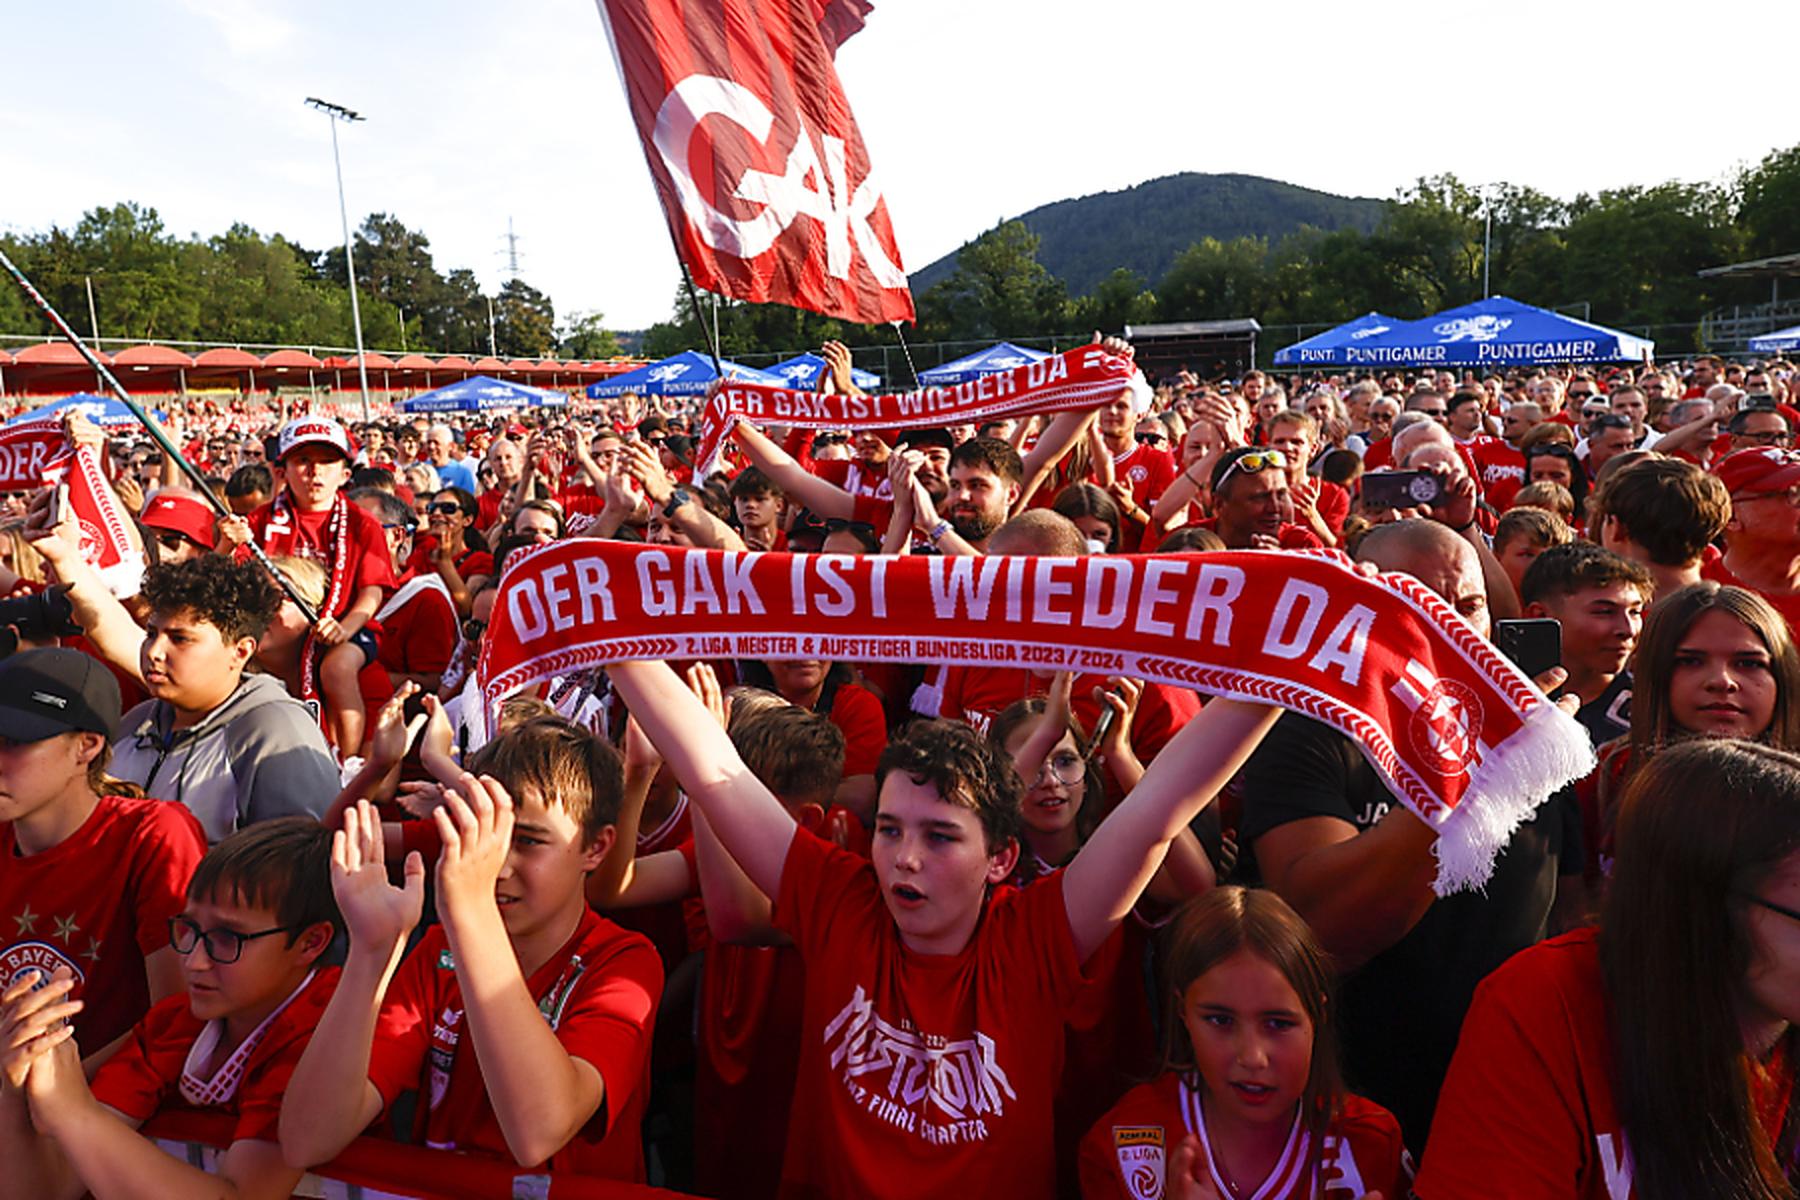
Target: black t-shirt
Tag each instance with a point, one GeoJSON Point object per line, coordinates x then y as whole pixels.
{"type": "Point", "coordinates": [1402, 1010]}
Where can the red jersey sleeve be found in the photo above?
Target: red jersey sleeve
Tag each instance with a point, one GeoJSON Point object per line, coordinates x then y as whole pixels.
{"type": "Point", "coordinates": [608, 1021]}
{"type": "Point", "coordinates": [1333, 505]}
{"type": "Point", "coordinates": [824, 889]}
{"type": "Point", "coordinates": [858, 715]}
{"type": "Point", "coordinates": [168, 847]}
{"type": "Point", "coordinates": [371, 564]}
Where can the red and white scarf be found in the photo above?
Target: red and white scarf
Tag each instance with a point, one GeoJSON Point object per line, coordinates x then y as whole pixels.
{"type": "Point", "coordinates": [1458, 733]}
{"type": "Point", "coordinates": [1083, 378]}
{"type": "Point", "coordinates": [282, 537]}
{"type": "Point", "coordinates": [206, 1091]}
{"type": "Point", "coordinates": [106, 543]}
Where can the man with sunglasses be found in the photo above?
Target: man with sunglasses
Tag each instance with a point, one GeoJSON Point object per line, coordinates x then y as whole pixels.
{"type": "Point", "coordinates": [180, 523]}
{"type": "Point", "coordinates": [1250, 502]}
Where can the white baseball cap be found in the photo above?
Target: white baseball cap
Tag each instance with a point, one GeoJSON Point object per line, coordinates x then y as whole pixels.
{"type": "Point", "coordinates": [308, 431]}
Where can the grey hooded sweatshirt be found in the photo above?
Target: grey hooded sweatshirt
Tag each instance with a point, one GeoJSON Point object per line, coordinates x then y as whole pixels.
{"type": "Point", "coordinates": [258, 755]}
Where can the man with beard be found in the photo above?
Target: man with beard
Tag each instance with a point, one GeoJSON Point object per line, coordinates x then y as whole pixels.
{"type": "Point", "coordinates": [986, 476]}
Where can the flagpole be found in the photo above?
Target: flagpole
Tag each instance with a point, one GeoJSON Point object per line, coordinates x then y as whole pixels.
{"type": "Point", "coordinates": [712, 343]}
{"type": "Point", "coordinates": [151, 427]}
{"type": "Point", "coordinates": [907, 350]}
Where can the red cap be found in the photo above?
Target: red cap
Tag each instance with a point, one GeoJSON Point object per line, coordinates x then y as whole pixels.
{"type": "Point", "coordinates": [1760, 469]}
{"type": "Point", "coordinates": [176, 513]}
{"type": "Point", "coordinates": [517, 430]}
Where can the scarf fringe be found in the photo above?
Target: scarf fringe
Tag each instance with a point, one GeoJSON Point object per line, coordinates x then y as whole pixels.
{"type": "Point", "coordinates": [1513, 781]}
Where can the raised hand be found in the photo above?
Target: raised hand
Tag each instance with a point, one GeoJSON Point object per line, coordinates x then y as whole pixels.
{"type": "Point", "coordinates": [393, 734]}
{"type": "Point", "coordinates": [1122, 698]}
{"type": "Point", "coordinates": [377, 914]}
{"type": "Point", "coordinates": [703, 681]}
{"type": "Point", "coordinates": [476, 823]}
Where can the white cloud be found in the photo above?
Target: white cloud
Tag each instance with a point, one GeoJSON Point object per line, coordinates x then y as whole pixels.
{"type": "Point", "coordinates": [248, 26]}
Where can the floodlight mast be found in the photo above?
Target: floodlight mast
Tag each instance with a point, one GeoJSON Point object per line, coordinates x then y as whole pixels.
{"type": "Point", "coordinates": [336, 113]}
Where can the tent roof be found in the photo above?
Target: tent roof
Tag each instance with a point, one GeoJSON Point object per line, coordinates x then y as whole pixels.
{"type": "Point", "coordinates": [414, 362]}
{"type": "Point", "coordinates": [151, 356]}
{"type": "Point", "coordinates": [1327, 348]}
{"type": "Point", "coordinates": [59, 354]}
{"type": "Point", "coordinates": [454, 362]}
{"type": "Point", "coordinates": [4, 358]}
{"type": "Point", "coordinates": [1497, 332]}
{"type": "Point", "coordinates": [488, 363]}
{"type": "Point", "coordinates": [292, 358]}
{"type": "Point", "coordinates": [227, 358]}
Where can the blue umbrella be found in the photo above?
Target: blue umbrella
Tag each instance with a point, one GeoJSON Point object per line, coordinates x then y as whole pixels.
{"type": "Point", "coordinates": [479, 394]}
{"type": "Point", "coordinates": [804, 371]}
{"type": "Point", "coordinates": [1775, 343]}
{"type": "Point", "coordinates": [103, 411]}
{"type": "Point", "coordinates": [1327, 349]}
{"type": "Point", "coordinates": [686, 374]}
{"type": "Point", "coordinates": [1001, 357]}
{"type": "Point", "coordinates": [1496, 332]}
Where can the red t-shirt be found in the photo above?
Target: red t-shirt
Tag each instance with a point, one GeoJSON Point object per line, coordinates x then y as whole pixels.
{"type": "Point", "coordinates": [1787, 605]}
{"type": "Point", "coordinates": [1527, 1110]}
{"type": "Point", "coordinates": [923, 1074]}
{"type": "Point", "coordinates": [469, 563]}
{"type": "Point", "coordinates": [1500, 469]}
{"type": "Point", "coordinates": [1126, 1155]}
{"type": "Point", "coordinates": [860, 718]}
{"type": "Point", "coordinates": [304, 535]}
{"type": "Point", "coordinates": [487, 508]}
{"type": "Point", "coordinates": [976, 695]}
{"type": "Point", "coordinates": [145, 1075]}
{"type": "Point", "coordinates": [599, 993]}
{"type": "Point", "coordinates": [854, 478]}
{"type": "Point", "coordinates": [99, 903]}
{"type": "Point", "coordinates": [420, 636]}
{"type": "Point", "coordinates": [751, 1000]}
{"type": "Point", "coordinates": [1149, 471]}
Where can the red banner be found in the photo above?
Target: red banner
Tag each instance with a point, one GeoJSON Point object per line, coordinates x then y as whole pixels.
{"type": "Point", "coordinates": [1083, 378]}
{"type": "Point", "coordinates": [762, 172]}
{"type": "Point", "coordinates": [1464, 739]}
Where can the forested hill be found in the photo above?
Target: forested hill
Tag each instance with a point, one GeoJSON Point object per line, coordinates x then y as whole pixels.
{"type": "Point", "coordinates": [1146, 226]}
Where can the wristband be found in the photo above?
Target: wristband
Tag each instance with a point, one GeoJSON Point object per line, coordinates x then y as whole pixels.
{"type": "Point", "coordinates": [677, 498]}
{"type": "Point", "coordinates": [938, 531]}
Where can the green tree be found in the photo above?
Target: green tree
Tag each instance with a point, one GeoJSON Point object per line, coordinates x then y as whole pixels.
{"type": "Point", "coordinates": [524, 321]}
{"type": "Point", "coordinates": [1769, 205]}
{"type": "Point", "coordinates": [999, 289]}
{"type": "Point", "coordinates": [1634, 253]}
{"type": "Point", "coordinates": [459, 321]}
{"type": "Point", "coordinates": [1213, 280]}
{"type": "Point", "coordinates": [585, 336]}
{"type": "Point", "coordinates": [1122, 298]}
{"type": "Point", "coordinates": [141, 290]}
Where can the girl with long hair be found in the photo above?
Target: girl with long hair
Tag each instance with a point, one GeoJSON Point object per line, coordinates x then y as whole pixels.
{"type": "Point", "coordinates": [1712, 661]}
{"type": "Point", "coordinates": [1653, 1057]}
{"type": "Point", "coordinates": [1250, 1102]}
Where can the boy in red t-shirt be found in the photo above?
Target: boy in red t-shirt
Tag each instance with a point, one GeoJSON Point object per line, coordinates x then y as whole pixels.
{"type": "Point", "coordinates": [311, 518]}
{"type": "Point", "coordinates": [557, 1002]}
{"type": "Point", "coordinates": [258, 915]}
{"type": "Point", "coordinates": [91, 878]}
{"type": "Point", "coordinates": [932, 1029]}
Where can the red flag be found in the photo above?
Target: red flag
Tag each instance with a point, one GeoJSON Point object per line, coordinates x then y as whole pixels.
{"type": "Point", "coordinates": [762, 171]}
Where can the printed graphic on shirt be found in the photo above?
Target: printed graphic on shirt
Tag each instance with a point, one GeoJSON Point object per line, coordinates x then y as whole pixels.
{"type": "Point", "coordinates": [44, 955]}
{"type": "Point", "coordinates": [1140, 1149]}
{"type": "Point", "coordinates": [936, 1089]}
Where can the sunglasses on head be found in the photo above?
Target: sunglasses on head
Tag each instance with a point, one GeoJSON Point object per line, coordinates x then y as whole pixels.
{"type": "Point", "coordinates": [1255, 462]}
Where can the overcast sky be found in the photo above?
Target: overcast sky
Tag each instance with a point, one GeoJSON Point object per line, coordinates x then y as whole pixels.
{"type": "Point", "coordinates": [973, 111]}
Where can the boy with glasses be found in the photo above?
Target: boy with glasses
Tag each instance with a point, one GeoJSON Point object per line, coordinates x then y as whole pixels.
{"type": "Point", "coordinates": [258, 915]}
{"type": "Point", "coordinates": [92, 870]}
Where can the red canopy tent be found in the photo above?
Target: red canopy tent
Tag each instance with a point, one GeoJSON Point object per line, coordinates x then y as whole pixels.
{"type": "Point", "coordinates": [55, 369]}
{"type": "Point", "coordinates": [414, 368]}
{"type": "Point", "coordinates": [227, 364]}
{"type": "Point", "coordinates": [455, 364]}
{"type": "Point", "coordinates": [152, 368]}
{"type": "Point", "coordinates": [5, 361]}
{"type": "Point", "coordinates": [488, 366]}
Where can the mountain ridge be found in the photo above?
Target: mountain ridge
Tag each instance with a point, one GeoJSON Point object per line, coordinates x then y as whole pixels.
{"type": "Point", "coordinates": [1145, 226]}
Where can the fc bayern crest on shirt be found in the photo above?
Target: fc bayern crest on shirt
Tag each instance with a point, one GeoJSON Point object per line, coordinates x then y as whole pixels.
{"type": "Point", "coordinates": [1142, 1161]}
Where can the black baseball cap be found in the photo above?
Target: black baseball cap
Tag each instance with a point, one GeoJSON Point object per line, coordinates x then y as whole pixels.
{"type": "Point", "coordinates": [52, 691]}
{"type": "Point", "coordinates": [918, 439]}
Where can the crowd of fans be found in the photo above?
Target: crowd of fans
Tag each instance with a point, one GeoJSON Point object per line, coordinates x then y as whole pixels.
{"type": "Point", "coordinates": [811, 928]}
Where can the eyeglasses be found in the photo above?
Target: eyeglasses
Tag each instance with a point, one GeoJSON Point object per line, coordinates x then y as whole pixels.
{"type": "Point", "coordinates": [1434, 413]}
{"type": "Point", "coordinates": [1253, 463]}
{"type": "Point", "coordinates": [222, 945]}
{"type": "Point", "coordinates": [171, 542]}
{"type": "Point", "coordinates": [1784, 910]}
{"type": "Point", "coordinates": [840, 525]}
{"type": "Point", "coordinates": [1151, 439]}
{"type": "Point", "coordinates": [1791, 495]}
{"type": "Point", "coordinates": [405, 526]}
{"type": "Point", "coordinates": [1065, 766]}
{"type": "Point", "coordinates": [1768, 437]}
{"type": "Point", "coordinates": [444, 507]}
{"type": "Point", "coordinates": [1581, 395]}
